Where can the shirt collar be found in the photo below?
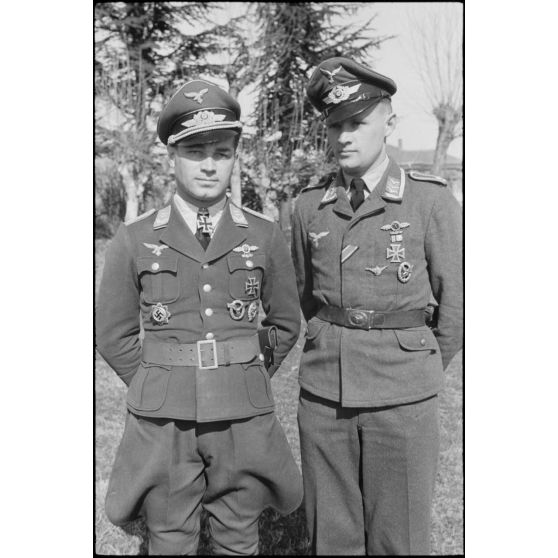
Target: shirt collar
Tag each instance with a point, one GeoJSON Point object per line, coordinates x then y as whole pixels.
{"type": "Point", "coordinates": [371, 177]}
{"type": "Point", "coordinates": [188, 208]}
{"type": "Point", "coordinates": [189, 211]}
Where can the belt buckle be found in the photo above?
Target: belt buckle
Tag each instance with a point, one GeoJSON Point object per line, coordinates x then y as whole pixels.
{"type": "Point", "coordinates": [204, 352]}
{"type": "Point", "coordinates": [361, 319]}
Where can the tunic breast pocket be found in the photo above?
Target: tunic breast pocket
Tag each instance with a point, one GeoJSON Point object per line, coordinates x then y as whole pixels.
{"type": "Point", "coordinates": [159, 278]}
{"type": "Point", "coordinates": [246, 276]}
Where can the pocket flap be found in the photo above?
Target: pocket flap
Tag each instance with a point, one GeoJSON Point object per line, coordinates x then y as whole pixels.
{"type": "Point", "coordinates": [156, 265]}
{"type": "Point", "coordinates": [239, 262]}
{"type": "Point", "coordinates": [416, 340]}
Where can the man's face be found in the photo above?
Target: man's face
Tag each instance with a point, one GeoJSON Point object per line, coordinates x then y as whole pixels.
{"type": "Point", "coordinates": [358, 141]}
{"type": "Point", "coordinates": [203, 170]}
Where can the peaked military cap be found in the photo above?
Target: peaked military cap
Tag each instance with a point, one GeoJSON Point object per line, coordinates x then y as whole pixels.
{"type": "Point", "coordinates": [198, 106]}
{"type": "Point", "coordinates": [340, 88]}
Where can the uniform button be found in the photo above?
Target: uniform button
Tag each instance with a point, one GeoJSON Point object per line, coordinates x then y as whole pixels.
{"type": "Point", "coordinates": [423, 342]}
{"type": "Point", "coordinates": [249, 263]}
{"type": "Point", "coordinates": [207, 288]}
{"type": "Point", "coordinates": [209, 335]}
{"type": "Point", "coordinates": [209, 311]}
{"type": "Point", "coordinates": [205, 266]}
{"type": "Point", "coordinates": [261, 357]}
{"type": "Point", "coordinates": [155, 266]}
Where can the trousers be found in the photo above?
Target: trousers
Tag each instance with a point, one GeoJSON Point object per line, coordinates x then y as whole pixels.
{"type": "Point", "coordinates": [368, 476]}
{"type": "Point", "coordinates": [167, 470]}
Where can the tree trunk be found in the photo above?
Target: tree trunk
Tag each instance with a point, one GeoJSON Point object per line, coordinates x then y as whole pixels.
{"type": "Point", "coordinates": [285, 217]}
{"type": "Point", "coordinates": [442, 144]}
{"type": "Point", "coordinates": [268, 208]}
{"type": "Point", "coordinates": [448, 119]}
{"type": "Point", "coordinates": [132, 198]}
{"type": "Point", "coordinates": [236, 187]}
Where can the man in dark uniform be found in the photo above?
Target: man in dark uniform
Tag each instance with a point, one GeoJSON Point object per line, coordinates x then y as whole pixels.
{"type": "Point", "coordinates": [200, 429]}
{"type": "Point", "coordinates": [373, 246]}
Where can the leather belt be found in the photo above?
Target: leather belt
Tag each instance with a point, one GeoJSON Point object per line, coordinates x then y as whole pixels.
{"type": "Point", "coordinates": [371, 319]}
{"type": "Point", "coordinates": [206, 354]}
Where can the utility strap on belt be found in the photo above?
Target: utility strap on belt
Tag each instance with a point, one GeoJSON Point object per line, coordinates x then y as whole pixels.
{"type": "Point", "coordinates": [205, 354]}
{"type": "Point", "coordinates": [371, 319]}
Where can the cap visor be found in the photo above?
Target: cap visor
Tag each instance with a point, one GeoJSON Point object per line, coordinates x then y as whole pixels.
{"type": "Point", "coordinates": [209, 136]}
{"type": "Point", "coordinates": [348, 110]}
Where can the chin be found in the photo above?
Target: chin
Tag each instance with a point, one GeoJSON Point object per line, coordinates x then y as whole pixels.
{"type": "Point", "coordinates": [353, 170]}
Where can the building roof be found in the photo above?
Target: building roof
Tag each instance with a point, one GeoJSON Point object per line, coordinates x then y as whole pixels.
{"type": "Point", "coordinates": [418, 157]}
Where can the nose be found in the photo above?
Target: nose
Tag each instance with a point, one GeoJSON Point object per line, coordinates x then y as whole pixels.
{"type": "Point", "coordinates": [344, 136]}
{"type": "Point", "coordinates": [208, 165]}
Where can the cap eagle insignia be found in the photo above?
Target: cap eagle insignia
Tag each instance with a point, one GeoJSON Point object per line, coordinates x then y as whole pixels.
{"type": "Point", "coordinates": [196, 95]}
{"type": "Point", "coordinates": [341, 93]}
{"type": "Point", "coordinates": [330, 75]}
{"type": "Point", "coordinates": [204, 118]}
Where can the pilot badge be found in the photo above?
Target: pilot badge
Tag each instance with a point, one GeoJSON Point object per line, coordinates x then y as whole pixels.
{"type": "Point", "coordinates": [236, 309]}
{"type": "Point", "coordinates": [404, 271]}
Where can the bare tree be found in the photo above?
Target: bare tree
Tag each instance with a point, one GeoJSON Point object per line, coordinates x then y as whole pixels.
{"type": "Point", "coordinates": [436, 32]}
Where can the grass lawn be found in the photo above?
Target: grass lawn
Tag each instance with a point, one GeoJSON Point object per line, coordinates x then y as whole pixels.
{"type": "Point", "coordinates": [278, 535]}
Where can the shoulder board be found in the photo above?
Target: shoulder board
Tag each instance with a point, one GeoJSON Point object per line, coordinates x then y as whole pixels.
{"type": "Point", "coordinates": [140, 217]}
{"type": "Point", "coordinates": [428, 178]}
{"type": "Point", "coordinates": [257, 214]}
{"type": "Point", "coordinates": [324, 181]}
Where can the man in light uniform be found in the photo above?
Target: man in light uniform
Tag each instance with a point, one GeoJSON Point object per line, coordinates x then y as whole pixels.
{"type": "Point", "coordinates": [373, 246]}
{"type": "Point", "coordinates": [200, 429]}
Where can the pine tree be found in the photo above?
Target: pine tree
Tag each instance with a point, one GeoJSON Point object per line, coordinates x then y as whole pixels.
{"type": "Point", "coordinates": [291, 139]}
{"type": "Point", "coordinates": [143, 53]}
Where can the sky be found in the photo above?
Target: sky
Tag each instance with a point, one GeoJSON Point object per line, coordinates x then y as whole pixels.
{"type": "Point", "coordinates": [416, 128]}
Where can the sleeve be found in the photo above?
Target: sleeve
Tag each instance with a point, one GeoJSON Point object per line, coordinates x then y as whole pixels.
{"type": "Point", "coordinates": [302, 265]}
{"type": "Point", "coordinates": [443, 248]}
{"type": "Point", "coordinates": [279, 298]}
{"type": "Point", "coordinates": [118, 314]}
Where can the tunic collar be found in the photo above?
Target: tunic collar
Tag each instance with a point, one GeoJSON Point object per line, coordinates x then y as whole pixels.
{"type": "Point", "coordinates": [189, 211]}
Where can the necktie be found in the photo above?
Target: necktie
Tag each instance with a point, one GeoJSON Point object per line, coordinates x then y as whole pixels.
{"type": "Point", "coordinates": [204, 227]}
{"type": "Point", "coordinates": [357, 192]}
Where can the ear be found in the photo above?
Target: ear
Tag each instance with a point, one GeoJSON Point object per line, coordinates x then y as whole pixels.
{"type": "Point", "coordinates": [391, 122]}
{"type": "Point", "coordinates": [171, 150]}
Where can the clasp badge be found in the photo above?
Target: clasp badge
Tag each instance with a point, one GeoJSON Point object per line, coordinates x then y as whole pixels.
{"type": "Point", "coordinates": [395, 230]}
{"type": "Point", "coordinates": [246, 250]}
